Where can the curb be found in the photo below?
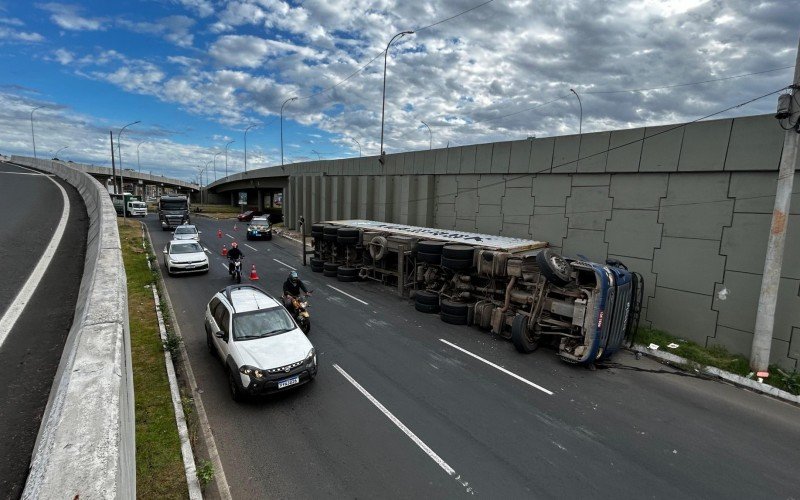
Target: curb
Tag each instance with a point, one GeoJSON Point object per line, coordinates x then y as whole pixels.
{"type": "Point", "coordinates": [738, 380]}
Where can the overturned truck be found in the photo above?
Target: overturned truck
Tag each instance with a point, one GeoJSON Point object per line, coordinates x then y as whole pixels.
{"type": "Point", "coordinates": [519, 289]}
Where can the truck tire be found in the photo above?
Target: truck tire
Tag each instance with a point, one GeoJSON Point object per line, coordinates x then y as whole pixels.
{"type": "Point", "coordinates": [348, 232]}
{"type": "Point", "coordinates": [456, 264]}
{"type": "Point", "coordinates": [316, 231]}
{"type": "Point", "coordinates": [330, 269]}
{"type": "Point", "coordinates": [453, 319]}
{"type": "Point", "coordinates": [429, 258]}
{"type": "Point", "coordinates": [346, 240]}
{"type": "Point", "coordinates": [427, 298]}
{"type": "Point", "coordinates": [430, 247]}
{"type": "Point", "coordinates": [521, 336]}
{"type": "Point", "coordinates": [329, 233]}
{"type": "Point", "coordinates": [554, 267]}
{"type": "Point", "coordinates": [346, 272]}
{"type": "Point", "coordinates": [459, 252]}
{"type": "Point", "coordinates": [426, 308]}
{"type": "Point", "coordinates": [377, 248]}
{"type": "Point", "coordinates": [317, 265]}
{"type": "Point", "coordinates": [455, 308]}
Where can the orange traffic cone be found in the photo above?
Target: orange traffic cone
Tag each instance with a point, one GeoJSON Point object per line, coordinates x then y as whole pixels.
{"type": "Point", "coordinates": [224, 250]}
{"type": "Point", "coordinates": [253, 274]}
{"type": "Point", "coordinates": [219, 233]}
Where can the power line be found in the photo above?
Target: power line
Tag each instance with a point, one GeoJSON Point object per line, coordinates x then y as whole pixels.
{"type": "Point", "coordinates": [552, 167]}
{"type": "Point", "coordinates": [453, 17]}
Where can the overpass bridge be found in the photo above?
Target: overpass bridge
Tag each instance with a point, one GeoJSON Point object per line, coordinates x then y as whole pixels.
{"type": "Point", "coordinates": [134, 182]}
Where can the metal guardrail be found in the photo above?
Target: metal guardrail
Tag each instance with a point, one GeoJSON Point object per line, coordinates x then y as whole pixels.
{"type": "Point", "coordinates": [86, 443]}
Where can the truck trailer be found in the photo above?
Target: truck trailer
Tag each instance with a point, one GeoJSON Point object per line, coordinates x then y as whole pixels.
{"type": "Point", "coordinates": [519, 289]}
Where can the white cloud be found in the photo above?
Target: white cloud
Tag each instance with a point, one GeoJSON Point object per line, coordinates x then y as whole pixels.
{"type": "Point", "coordinates": [64, 56]}
{"type": "Point", "coordinates": [68, 17]}
{"type": "Point", "coordinates": [174, 29]}
{"type": "Point", "coordinates": [19, 36]}
{"type": "Point", "coordinates": [203, 8]}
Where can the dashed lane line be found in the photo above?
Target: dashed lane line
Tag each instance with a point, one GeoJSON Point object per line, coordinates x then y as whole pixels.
{"type": "Point", "coordinates": [345, 293]}
{"type": "Point", "coordinates": [521, 379]}
{"type": "Point", "coordinates": [400, 425]}
{"type": "Point", "coordinates": [290, 267]}
{"type": "Point", "coordinates": [251, 248]}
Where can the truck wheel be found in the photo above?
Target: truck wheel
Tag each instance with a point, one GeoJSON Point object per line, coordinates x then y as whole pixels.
{"type": "Point", "coordinates": [453, 319]}
{"type": "Point", "coordinates": [330, 269]}
{"type": "Point", "coordinates": [425, 297]}
{"type": "Point", "coordinates": [430, 258]}
{"type": "Point", "coordinates": [459, 252]}
{"type": "Point", "coordinates": [426, 308]}
{"type": "Point", "coordinates": [554, 267]}
{"type": "Point", "coordinates": [455, 308]}
{"type": "Point", "coordinates": [456, 264]}
{"type": "Point", "coordinates": [521, 336]}
{"type": "Point", "coordinates": [236, 393]}
{"type": "Point", "coordinates": [430, 247]}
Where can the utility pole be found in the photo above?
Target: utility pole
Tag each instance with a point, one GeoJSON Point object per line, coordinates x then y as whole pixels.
{"type": "Point", "coordinates": [770, 282]}
{"type": "Point", "coordinates": [113, 165]}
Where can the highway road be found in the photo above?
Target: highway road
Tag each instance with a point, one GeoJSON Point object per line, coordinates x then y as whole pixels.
{"type": "Point", "coordinates": [37, 303]}
{"type": "Point", "coordinates": [406, 406]}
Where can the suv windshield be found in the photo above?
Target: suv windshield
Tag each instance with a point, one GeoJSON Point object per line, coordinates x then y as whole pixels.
{"type": "Point", "coordinates": [261, 323]}
{"type": "Point", "coordinates": [186, 248]}
{"type": "Point", "coordinates": [185, 230]}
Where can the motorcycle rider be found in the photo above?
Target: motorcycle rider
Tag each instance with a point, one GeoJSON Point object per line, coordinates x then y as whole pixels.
{"type": "Point", "coordinates": [291, 289]}
{"type": "Point", "coordinates": [233, 254]}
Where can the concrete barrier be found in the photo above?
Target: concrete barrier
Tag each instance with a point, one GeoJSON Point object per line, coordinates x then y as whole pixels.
{"type": "Point", "coordinates": [86, 444]}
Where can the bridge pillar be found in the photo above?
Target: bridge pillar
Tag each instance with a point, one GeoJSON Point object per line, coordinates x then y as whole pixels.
{"type": "Point", "coordinates": [260, 196]}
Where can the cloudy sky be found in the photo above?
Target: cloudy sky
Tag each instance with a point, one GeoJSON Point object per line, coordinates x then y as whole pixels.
{"type": "Point", "coordinates": [196, 73]}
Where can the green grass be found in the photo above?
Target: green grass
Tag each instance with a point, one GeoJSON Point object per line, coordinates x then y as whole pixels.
{"type": "Point", "coordinates": [718, 357]}
{"type": "Point", "coordinates": [159, 465]}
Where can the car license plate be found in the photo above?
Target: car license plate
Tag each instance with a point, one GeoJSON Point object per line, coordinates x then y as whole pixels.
{"type": "Point", "coordinates": [288, 381]}
{"type": "Point", "coordinates": [190, 267]}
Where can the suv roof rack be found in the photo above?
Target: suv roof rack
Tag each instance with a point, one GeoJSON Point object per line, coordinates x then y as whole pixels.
{"type": "Point", "coordinates": [231, 288]}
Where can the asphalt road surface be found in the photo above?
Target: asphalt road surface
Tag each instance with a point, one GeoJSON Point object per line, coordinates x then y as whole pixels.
{"type": "Point", "coordinates": [32, 207]}
{"type": "Point", "coordinates": [406, 406]}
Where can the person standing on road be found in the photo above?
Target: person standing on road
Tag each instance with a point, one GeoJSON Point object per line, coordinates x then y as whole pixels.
{"type": "Point", "coordinates": [233, 254]}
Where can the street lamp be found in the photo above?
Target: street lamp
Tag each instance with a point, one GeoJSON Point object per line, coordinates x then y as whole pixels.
{"type": "Point", "coordinates": [245, 146]}
{"type": "Point", "coordinates": [319, 157]}
{"type": "Point", "coordinates": [383, 105]}
{"type": "Point", "coordinates": [580, 123]}
{"type": "Point", "coordinates": [138, 165]}
{"type": "Point", "coordinates": [60, 150]}
{"type": "Point", "coordinates": [33, 137]}
{"type": "Point", "coordinates": [119, 153]}
{"type": "Point", "coordinates": [359, 146]}
{"type": "Point", "coordinates": [282, 105]}
{"type": "Point", "coordinates": [215, 165]}
{"type": "Point", "coordinates": [430, 135]}
{"type": "Point", "coordinates": [226, 157]}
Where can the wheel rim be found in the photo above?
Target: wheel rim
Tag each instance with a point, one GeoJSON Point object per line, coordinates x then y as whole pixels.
{"type": "Point", "coordinates": [559, 263]}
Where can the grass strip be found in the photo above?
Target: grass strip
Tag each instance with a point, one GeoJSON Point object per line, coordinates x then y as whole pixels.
{"type": "Point", "coordinates": [718, 357]}
{"type": "Point", "coordinates": [159, 465]}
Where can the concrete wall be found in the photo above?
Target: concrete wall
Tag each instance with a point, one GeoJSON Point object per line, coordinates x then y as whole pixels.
{"type": "Point", "coordinates": [687, 206]}
{"type": "Point", "coordinates": [86, 444]}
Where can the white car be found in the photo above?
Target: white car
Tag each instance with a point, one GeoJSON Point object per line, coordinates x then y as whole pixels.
{"type": "Point", "coordinates": [185, 256]}
{"type": "Point", "coordinates": [263, 349]}
{"type": "Point", "coordinates": [186, 232]}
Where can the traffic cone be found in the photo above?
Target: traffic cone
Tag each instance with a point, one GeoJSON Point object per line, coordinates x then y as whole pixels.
{"type": "Point", "coordinates": [219, 233]}
{"type": "Point", "coordinates": [253, 274]}
{"type": "Point", "coordinates": [224, 250]}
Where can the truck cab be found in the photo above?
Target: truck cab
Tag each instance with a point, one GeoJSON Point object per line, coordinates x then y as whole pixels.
{"type": "Point", "coordinates": [173, 211]}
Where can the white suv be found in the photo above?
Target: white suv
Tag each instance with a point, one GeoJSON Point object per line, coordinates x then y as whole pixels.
{"type": "Point", "coordinates": [263, 349]}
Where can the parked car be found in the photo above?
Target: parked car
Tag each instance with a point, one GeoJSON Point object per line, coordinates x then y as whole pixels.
{"type": "Point", "coordinates": [248, 215]}
{"type": "Point", "coordinates": [186, 232]}
{"type": "Point", "coordinates": [261, 346]}
{"type": "Point", "coordinates": [275, 217]}
{"type": "Point", "coordinates": [182, 256]}
{"type": "Point", "coordinates": [259, 228]}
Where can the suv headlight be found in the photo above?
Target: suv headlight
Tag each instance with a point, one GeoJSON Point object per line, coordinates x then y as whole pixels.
{"type": "Point", "coordinates": [252, 372]}
{"type": "Point", "coordinates": [311, 357]}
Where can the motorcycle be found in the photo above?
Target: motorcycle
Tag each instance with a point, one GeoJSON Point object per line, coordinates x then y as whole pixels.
{"type": "Point", "coordinates": [236, 275]}
{"type": "Point", "coordinates": [300, 312]}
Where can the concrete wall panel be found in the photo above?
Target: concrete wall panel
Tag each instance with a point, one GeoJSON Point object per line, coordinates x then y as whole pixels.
{"type": "Point", "coordinates": [755, 192]}
{"type": "Point", "coordinates": [594, 152]}
{"type": "Point", "coordinates": [551, 190]}
{"type": "Point", "coordinates": [468, 160]}
{"type": "Point", "coordinates": [542, 155]}
{"type": "Point", "coordinates": [453, 160]}
{"type": "Point", "coordinates": [633, 233]}
{"type": "Point", "coordinates": [440, 161]}
{"type": "Point", "coordinates": [705, 145]}
{"type": "Point", "coordinates": [491, 189]}
{"type": "Point", "coordinates": [661, 149]}
{"type": "Point", "coordinates": [585, 242]}
{"type": "Point", "coordinates": [625, 150]}
{"type": "Point", "coordinates": [683, 314]}
{"type": "Point", "coordinates": [745, 244]}
{"type": "Point", "coordinates": [520, 156]}
{"type": "Point", "coordinates": [589, 207]}
{"type": "Point", "coordinates": [638, 191]}
{"type": "Point", "coordinates": [565, 154]}
{"type": "Point", "coordinates": [697, 206]}
{"type": "Point", "coordinates": [501, 158]}
{"type": "Point", "coordinates": [483, 158]}
{"type": "Point", "coordinates": [549, 224]}
{"type": "Point", "coordinates": [689, 264]}
{"type": "Point", "coordinates": [756, 144]}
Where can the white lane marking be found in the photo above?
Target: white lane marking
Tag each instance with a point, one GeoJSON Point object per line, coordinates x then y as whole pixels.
{"type": "Point", "coordinates": [224, 265]}
{"type": "Point", "coordinates": [345, 293]}
{"type": "Point", "coordinates": [207, 250]}
{"type": "Point", "coordinates": [424, 447]}
{"type": "Point", "coordinates": [229, 236]}
{"type": "Point", "coordinates": [24, 295]}
{"type": "Point", "coordinates": [535, 386]}
{"type": "Point", "coordinates": [285, 264]}
{"type": "Point", "coordinates": [251, 248]}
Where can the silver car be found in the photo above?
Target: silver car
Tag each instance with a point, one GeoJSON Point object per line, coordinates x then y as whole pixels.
{"type": "Point", "coordinates": [185, 257]}
{"type": "Point", "coordinates": [186, 232]}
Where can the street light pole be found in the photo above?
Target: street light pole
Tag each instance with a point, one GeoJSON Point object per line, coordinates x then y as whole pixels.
{"type": "Point", "coordinates": [60, 150]}
{"type": "Point", "coordinates": [381, 159]}
{"type": "Point", "coordinates": [430, 135]}
{"type": "Point", "coordinates": [119, 153]}
{"type": "Point", "coordinates": [282, 105]}
{"type": "Point", "coordinates": [226, 157]}
{"type": "Point", "coordinates": [33, 137]}
{"type": "Point", "coordinates": [245, 146]}
{"type": "Point", "coordinates": [359, 146]}
{"type": "Point", "coordinates": [319, 157]}
{"type": "Point", "coordinates": [580, 122]}
{"type": "Point", "coordinates": [215, 165]}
